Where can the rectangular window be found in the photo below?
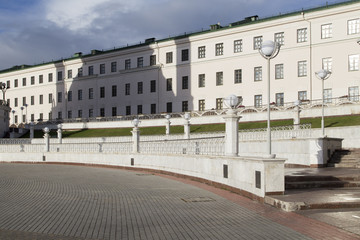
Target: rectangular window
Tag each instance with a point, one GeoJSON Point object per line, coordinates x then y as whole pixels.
{"type": "Point", "coordinates": [80, 94]}
{"type": "Point", "coordinates": [219, 79]}
{"type": "Point", "coordinates": [139, 109]}
{"type": "Point", "coordinates": [80, 72]}
{"type": "Point", "coordinates": [91, 70]}
{"type": "Point", "coordinates": [8, 83]}
{"type": "Point", "coordinates": [326, 31]}
{"type": "Point", "coordinates": [219, 49]}
{"type": "Point", "coordinates": [153, 108]}
{"type": "Point", "coordinates": [185, 82]}
{"type": "Point", "coordinates": [279, 38]}
{"type": "Point", "coordinates": [140, 62]}
{"type": "Point", "coordinates": [354, 63]}
{"type": "Point", "coordinates": [302, 95]}
{"type": "Point", "coordinates": [50, 116]}
{"type": "Point", "coordinates": [41, 99]}
{"type": "Point", "coordinates": [279, 98]}
{"type": "Point", "coordinates": [328, 95]}
{"type": "Point", "coordinates": [24, 101]}
{"type": "Point", "coordinates": [169, 107]}
{"type": "Point", "coordinates": [32, 100]}
{"type": "Point", "coordinates": [153, 86]}
{"type": "Point", "coordinates": [41, 116]}
{"type": "Point", "coordinates": [16, 83]}
{"type": "Point", "coordinates": [128, 110]}
{"type": "Point", "coordinates": [354, 94]}
{"type": "Point", "coordinates": [127, 64]}
{"type": "Point", "coordinates": [41, 79]}
{"type": "Point", "coordinates": [127, 89]}
{"type": "Point", "coordinates": [24, 118]}
{"type": "Point", "coordinates": [353, 26]}
{"type": "Point", "coordinates": [202, 105]}
{"type": "Point", "coordinates": [185, 106]}
{"type": "Point", "coordinates": [60, 76]}
{"type": "Point", "coordinates": [152, 60]}
{"type": "Point", "coordinates": [219, 103]}
{"type": "Point", "coordinates": [102, 92]}
{"type": "Point", "coordinates": [257, 74]}
{"type": "Point", "coordinates": [302, 35]}
{"type": "Point", "coordinates": [16, 119]}
{"type": "Point", "coordinates": [113, 90]}
{"type": "Point", "coordinates": [69, 73]}
{"type": "Point", "coordinates": [32, 117]}
{"type": "Point", "coordinates": [15, 102]}
{"type": "Point", "coordinates": [258, 101]}
{"type": "Point", "coordinates": [69, 97]}
{"type": "Point", "coordinates": [102, 68]}
{"type": "Point", "coordinates": [69, 114]}
{"type": "Point", "coordinates": [50, 98]}
{"type": "Point", "coordinates": [91, 93]}
{"type": "Point", "coordinates": [302, 69]}
{"type": "Point", "coordinates": [24, 81]}
{"type": "Point", "coordinates": [113, 67]}
{"type": "Point", "coordinates": [238, 46]}
{"type": "Point", "coordinates": [238, 76]}
{"type": "Point", "coordinates": [32, 80]}
{"type": "Point", "coordinates": [279, 71]}
{"type": "Point", "coordinates": [59, 97]}
{"type": "Point", "coordinates": [50, 77]}
{"type": "Point", "coordinates": [169, 57]}
{"type": "Point", "coordinates": [59, 115]}
{"type": "Point", "coordinates": [114, 111]}
{"type": "Point", "coordinates": [79, 113]}
{"type": "Point", "coordinates": [257, 42]}
{"type": "Point", "coordinates": [327, 64]}
{"type": "Point", "coordinates": [201, 52]}
{"type": "Point", "coordinates": [102, 112]}
{"type": "Point", "coordinates": [201, 80]}
{"type": "Point", "coordinates": [91, 113]}
{"type": "Point", "coordinates": [169, 84]}
{"type": "Point", "coordinates": [185, 55]}
{"type": "Point", "coordinates": [140, 87]}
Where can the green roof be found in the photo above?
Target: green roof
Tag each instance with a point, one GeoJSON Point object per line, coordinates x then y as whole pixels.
{"type": "Point", "coordinates": [246, 21]}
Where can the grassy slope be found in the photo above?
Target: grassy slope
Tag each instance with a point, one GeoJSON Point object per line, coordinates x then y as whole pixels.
{"type": "Point", "coordinates": [340, 121]}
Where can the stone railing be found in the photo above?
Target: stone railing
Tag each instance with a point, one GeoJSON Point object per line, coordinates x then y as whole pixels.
{"type": "Point", "coordinates": [281, 132]}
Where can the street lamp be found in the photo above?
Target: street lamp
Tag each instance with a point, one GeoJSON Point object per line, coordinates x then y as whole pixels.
{"type": "Point", "coordinates": [322, 75]}
{"type": "Point", "coordinates": [269, 50]}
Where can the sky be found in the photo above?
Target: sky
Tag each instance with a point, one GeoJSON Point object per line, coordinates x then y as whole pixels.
{"type": "Point", "coordinates": [37, 31]}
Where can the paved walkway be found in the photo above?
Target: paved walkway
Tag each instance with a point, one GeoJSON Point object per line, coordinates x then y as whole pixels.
{"type": "Point", "coordinates": [75, 202]}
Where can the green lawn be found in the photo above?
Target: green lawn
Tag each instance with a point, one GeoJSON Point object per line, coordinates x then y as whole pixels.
{"type": "Point", "coordinates": [350, 120]}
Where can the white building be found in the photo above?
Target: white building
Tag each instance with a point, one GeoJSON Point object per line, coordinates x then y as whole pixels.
{"type": "Point", "coordinates": [196, 71]}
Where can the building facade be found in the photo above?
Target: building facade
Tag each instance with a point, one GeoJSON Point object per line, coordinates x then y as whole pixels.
{"type": "Point", "coordinates": [195, 72]}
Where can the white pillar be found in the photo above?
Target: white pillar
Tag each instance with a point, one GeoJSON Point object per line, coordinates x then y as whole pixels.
{"type": "Point", "coordinates": [297, 116]}
{"type": "Point", "coordinates": [168, 122]}
{"type": "Point", "coordinates": [231, 133]}
{"type": "Point", "coordinates": [136, 139]}
{"type": "Point", "coordinates": [59, 133]}
{"type": "Point", "coordinates": [47, 139]}
{"type": "Point", "coordinates": [187, 129]}
{"type": "Point", "coordinates": [31, 130]}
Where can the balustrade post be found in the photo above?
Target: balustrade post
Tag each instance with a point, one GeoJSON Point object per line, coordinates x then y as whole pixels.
{"type": "Point", "coordinates": [168, 122]}
{"type": "Point", "coordinates": [47, 139]}
{"type": "Point", "coordinates": [297, 115]}
{"type": "Point", "coordinates": [187, 126]}
{"type": "Point", "coordinates": [136, 136]}
{"type": "Point", "coordinates": [31, 130]}
{"type": "Point", "coordinates": [231, 133]}
{"type": "Point", "coordinates": [59, 133]}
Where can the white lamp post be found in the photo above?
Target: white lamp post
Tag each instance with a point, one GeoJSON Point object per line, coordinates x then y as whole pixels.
{"type": "Point", "coordinates": [322, 75]}
{"type": "Point", "coordinates": [168, 122]}
{"type": "Point", "coordinates": [231, 126]}
{"type": "Point", "coordinates": [269, 50]}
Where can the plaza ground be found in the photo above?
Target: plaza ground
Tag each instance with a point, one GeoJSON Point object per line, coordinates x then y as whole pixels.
{"type": "Point", "coordinates": [43, 201]}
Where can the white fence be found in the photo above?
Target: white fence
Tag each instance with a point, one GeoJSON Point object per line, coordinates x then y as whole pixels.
{"type": "Point", "coordinates": [281, 132]}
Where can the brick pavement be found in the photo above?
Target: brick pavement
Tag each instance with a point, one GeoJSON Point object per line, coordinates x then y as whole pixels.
{"type": "Point", "coordinates": [75, 202]}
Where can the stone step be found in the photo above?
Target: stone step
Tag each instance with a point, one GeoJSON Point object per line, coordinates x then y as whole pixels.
{"type": "Point", "coordinates": [345, 161]}
{"type": "Point", "coordinates": [322, 178]}
{"type": "Point", "coordinates": [344, 165]}
{"type": "Point", "coordinates": [321, 184]}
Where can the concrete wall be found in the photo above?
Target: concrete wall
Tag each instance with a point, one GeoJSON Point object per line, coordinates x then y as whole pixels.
{"type": "Point", "coordinates": [241, 171]}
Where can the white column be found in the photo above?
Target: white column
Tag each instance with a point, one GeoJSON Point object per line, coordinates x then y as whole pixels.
{"type": "Point", "coordinates": [46, 139]}
{"type": "Point", "coordinates": [136, 139]}
{"type": "Point", "coordinates": [231, 133]}
{"type": "Point", "coordinates": [187, 129]}
{"type": "Point", "coordinates": [168, 122]}
{"type": "Point", "coordinates": [59, 133]}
